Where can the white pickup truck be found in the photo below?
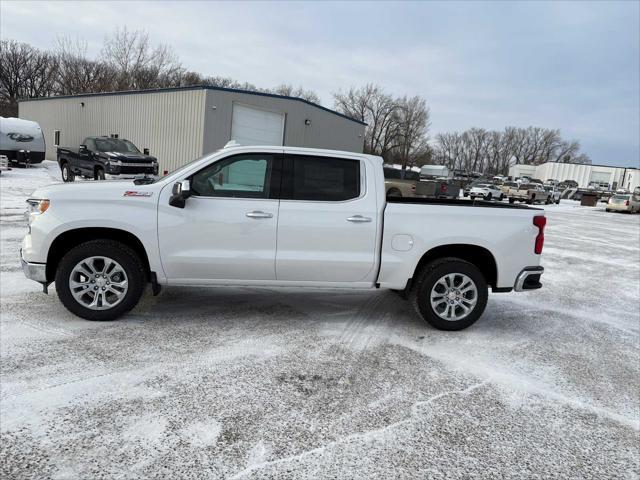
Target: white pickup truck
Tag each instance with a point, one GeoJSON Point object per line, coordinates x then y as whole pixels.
{"type": "Point", "coordinates": [277, 216]}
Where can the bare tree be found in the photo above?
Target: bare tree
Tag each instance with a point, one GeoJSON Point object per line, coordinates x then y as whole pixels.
{"type": "Point", "coordinates": [492, 152]}
{"type": "Point", "coordinates": [25, 72]}
{"type": "Point", "coordinates": [137, 64]}
{"type": "Point", "coordinates": [370, 104]}
{"type": "Point", "coordinates": [290, 91]}
{"type": "Point", "coordinates": [412, 118]}
{"type": "Point", "coordinates": [76, 73]}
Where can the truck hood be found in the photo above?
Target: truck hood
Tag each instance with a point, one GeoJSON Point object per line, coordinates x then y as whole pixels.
{"type": "Point", "coordinates": [107, 190]}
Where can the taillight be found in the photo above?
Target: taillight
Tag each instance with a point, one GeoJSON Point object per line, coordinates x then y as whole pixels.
{"type": "Point", "coordinates": [626, 203]}
{"type": "Point", "coordinates": [540, 222]}
{"type": "Point", "coordinates": [443, 188]}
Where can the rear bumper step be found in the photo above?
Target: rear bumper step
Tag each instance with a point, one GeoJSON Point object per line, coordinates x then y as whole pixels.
{"type": "Point", "coordinates": [529, 279]}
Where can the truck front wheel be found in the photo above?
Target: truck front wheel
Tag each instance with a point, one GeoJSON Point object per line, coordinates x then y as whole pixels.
{"type": "Point", "coordinates": [450, 294]}
{"type": "Point", "coordinates": [67, 173]}
{"type": "Point", "coordinates": [99, 175]}
{"type": "Point", "coordinates": [100, 280]}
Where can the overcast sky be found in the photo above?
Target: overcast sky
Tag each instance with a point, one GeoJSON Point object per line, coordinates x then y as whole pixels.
{"type": "Point", "coordinates": [573, 66]}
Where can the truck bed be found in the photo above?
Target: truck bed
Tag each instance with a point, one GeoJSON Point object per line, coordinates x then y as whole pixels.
{"type": "Point", "coordinates": [459, 202]}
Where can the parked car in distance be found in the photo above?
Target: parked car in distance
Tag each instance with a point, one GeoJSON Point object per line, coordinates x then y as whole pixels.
{"type": "Point", "coordinates": [467, 189]}
{"type": "Point", "coordinates": [486, 191]}
{"type": "Point", "coordinates": [217, 221]}
{"type": "Point", "coordinates": [623, 203]}
{"type": "Point", "coordinates": [506, 187]}
{"type": "Point", "coordinates": [567, 184]}
{"type": "Point", "coordinates": [399, 183]}
{"type": "Point", "coordinates": [554, 194]}
{"type": "Point", "coordinates": [605, 196]}
{"type": "Point", "coordinates": [530, 193]}
{"type": "Point", "coordinates": [104, 157]}
{"type": "Point", "coordinates": [438, 188]}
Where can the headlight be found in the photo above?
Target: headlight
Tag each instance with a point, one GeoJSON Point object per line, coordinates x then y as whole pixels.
{"type": "Point", "coordinates": [37, 206]}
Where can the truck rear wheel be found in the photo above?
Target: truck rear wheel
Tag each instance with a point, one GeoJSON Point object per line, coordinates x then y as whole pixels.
{"type": "Point", "coordinates": [100, 280]}
{"type": "Point", "coordinates": [450, 294]}
{"type": "Point", "coordinates": [99, 174]}
{"type": "Point", "coordinates": [66, 172]}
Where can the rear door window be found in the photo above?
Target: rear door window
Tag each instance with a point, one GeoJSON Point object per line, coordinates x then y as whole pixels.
{"type": "Point", "coordinates": [325, 179]}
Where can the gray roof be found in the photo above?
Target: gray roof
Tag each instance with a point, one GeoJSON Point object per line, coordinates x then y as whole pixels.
{"type": "Point", "coordinates": [197, 87]}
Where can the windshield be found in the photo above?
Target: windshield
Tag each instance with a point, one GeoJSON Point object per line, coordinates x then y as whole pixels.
{"type": "Point", "coordinates": [483, 185]}
{"type": "Point", "coordinates": [115, 145]}
{"type": "Point", "coordinates": [621, 197]}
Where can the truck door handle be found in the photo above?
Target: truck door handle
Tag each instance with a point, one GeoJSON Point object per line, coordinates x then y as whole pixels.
{"type": "Point", "coordinates": [259, 214]}
{"type": "Point", "coordinates": [358, 219]}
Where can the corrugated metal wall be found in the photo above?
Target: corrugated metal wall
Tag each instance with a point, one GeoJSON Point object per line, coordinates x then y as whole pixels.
{"type": "Point", "coordinates": [170, 124]}
{"type": "Point", "coordinates": [327, 130]}
{"type": "Point", "coordinates": [180, 125]}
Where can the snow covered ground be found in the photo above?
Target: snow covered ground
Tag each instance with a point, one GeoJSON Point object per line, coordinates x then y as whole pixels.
{"type": "Point", "coordinates": [263, 383]}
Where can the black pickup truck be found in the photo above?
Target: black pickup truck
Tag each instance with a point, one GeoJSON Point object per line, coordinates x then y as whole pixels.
{"type": "Point", "coordinates": [105, 157]}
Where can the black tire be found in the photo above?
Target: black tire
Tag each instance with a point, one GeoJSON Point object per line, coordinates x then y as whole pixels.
{"type": "Point", "coordinates": [512, 200]}
{"type": "Point", "coordinates": [99, 174]}
{"type": "Point", "coordinates": [488, 197]}
{"type": "Point", "coordinates": [121, 253]}
{"type": "Point", "coordinates": [66, 172]}
{"type": "Point", "coordinates": [558, 201]}
{"type": "Point", "coordinates": [427, 278]}
{"type": "Point", "coordinates": [394, 192]}
{"type": "Point", "coordinates": [607, 210]}
{"type": "Point", "coordinates": [501, 197]}
{"type": "Point", "coordinates": [547, 201]}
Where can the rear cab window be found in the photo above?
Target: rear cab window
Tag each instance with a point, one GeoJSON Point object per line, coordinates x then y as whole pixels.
{"type": "Point", "coordinates": [323, 179]}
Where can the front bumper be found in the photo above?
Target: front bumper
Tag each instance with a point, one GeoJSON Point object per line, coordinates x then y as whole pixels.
{"type": "Point", "coordinates": [129, 176]}
{"type": "Point", "coordinates": [528, 279]}
{"type": "Point", "coordinates": [34, 271]}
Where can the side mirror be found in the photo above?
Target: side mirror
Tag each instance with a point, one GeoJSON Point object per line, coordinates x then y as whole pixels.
{"type": "Point", "coordinates": [83, 149]}
{"type": "Point", "coordinates": [181, 191]}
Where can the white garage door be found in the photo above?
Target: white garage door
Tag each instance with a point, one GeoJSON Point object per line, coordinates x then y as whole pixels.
{"type": "Point", "coordinates": [252, 126]}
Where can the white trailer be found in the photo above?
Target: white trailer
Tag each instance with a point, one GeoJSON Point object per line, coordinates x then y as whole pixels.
{"type": "Point", "coordinates": [21, 141]}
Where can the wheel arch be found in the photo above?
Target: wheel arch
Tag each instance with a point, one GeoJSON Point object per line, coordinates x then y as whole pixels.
{"type": "Point", "coordinates": [72, 238]}
{"type": "Point", "coordinates": [479, 256]}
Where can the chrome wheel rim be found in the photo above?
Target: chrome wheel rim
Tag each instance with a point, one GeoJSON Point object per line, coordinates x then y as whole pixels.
{"type": "Point", "coordinates": [454, 296]}
{"type": "Point", "coordinates": [98, 283]}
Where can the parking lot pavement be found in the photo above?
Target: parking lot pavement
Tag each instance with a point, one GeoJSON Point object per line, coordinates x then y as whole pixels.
{"type": "Point", "coordinates": [268, 383]}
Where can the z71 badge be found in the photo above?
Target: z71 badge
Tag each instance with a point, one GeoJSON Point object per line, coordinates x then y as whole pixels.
{"type": "Point", "coordinates": [134, 193]}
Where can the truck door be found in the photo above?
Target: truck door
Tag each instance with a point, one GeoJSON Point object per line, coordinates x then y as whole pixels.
{"type": "Point", "coordinates": [85, 156]}
{"type": "Point", "coordinates": [327, 225]}
{"type": "Point", "coordinates": [227, 229]}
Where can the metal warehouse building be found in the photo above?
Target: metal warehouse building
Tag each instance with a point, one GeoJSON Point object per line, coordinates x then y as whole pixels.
{"type": "Point", "coordinates": [615, 177]}
{"type": "Point", "coordinates": [178, 125]}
